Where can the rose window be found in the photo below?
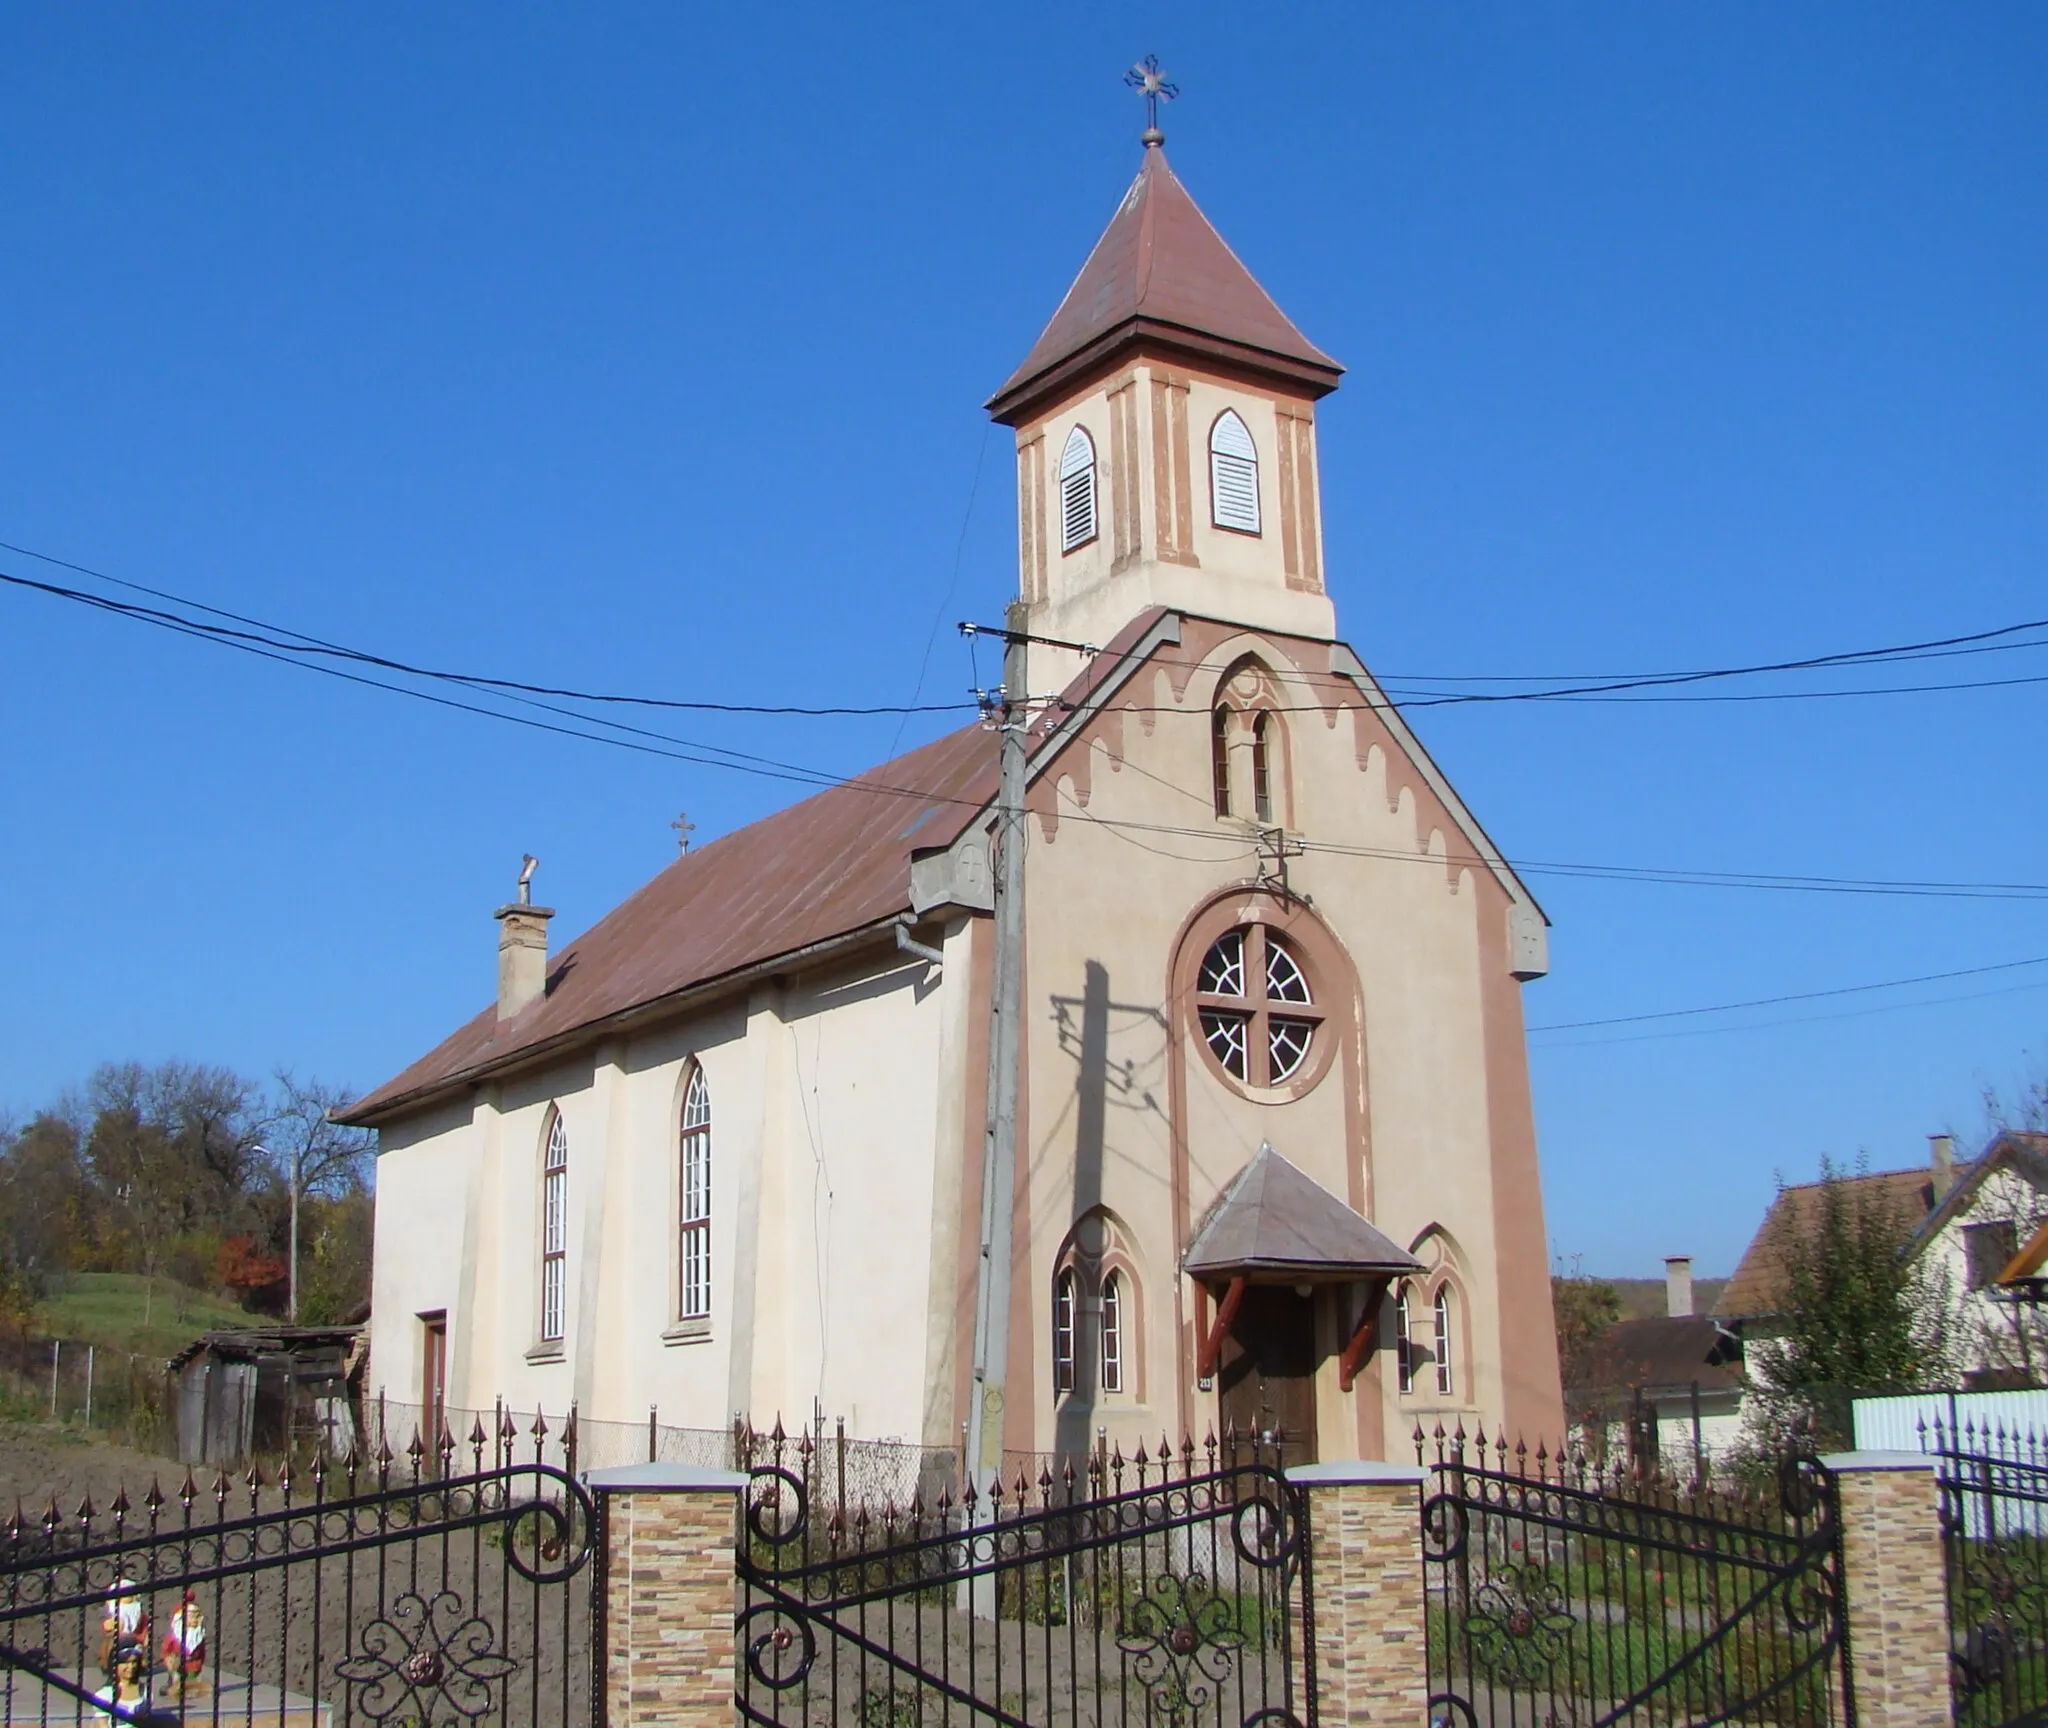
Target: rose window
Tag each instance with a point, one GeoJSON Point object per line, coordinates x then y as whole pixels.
{"type": "Point", "coordinates": [1257, 1014]}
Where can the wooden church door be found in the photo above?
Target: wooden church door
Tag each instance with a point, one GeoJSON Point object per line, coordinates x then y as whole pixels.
{"type": "Point", "coordinates": [1266, 1378]}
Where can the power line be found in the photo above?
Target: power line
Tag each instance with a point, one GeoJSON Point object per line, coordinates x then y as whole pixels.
{"type": "Point", "coordinates": [1412, 688]}
{"type": "Point", "coordinates": [263, 641]}
{"type": "Point", "coordinates": [1795, 1019]}
{"type": "Point", "coordinates": [1795, 996]}
{"type": "Point", "coordinates": [287, 641]}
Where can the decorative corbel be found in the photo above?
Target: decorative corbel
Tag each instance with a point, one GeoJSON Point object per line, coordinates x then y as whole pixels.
{"type": "Point", "coordinates": [1219, 1328]}
{"type": "Point", "coordinates": [1363, 1336]}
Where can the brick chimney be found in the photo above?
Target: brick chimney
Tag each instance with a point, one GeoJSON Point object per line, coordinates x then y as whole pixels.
{"type": "Point", "coordinates": [522, 947]}
{"type": "Point", "coordinates": [1678, 1285]}
{"type": "Point", "coordinates": [1942, 1155]}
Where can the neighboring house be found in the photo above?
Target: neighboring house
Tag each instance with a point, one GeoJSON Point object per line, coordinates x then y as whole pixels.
{"type": "Point", "coordinates": [723, 1153]}
{"type": "Point", "coordinates": [1666, 1389]}
{"type": "Point", "coordinates": [1967, 1219]}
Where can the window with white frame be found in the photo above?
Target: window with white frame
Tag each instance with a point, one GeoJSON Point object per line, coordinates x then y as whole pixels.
{"type": "Point", "coordinates": [1404, 1345]}
{"type": "Point", "coordinates": [554, 1231]}
{"type": "Point", "coordinates": [1113, 1333]}
{"type": "Point", "coordinates": [694, 1258]}
{"type": "Point", "coordinates": [1444, 1379]}
{"type": "Point", "coordinates": [1077, 491]}
{"type": "Point", "coordinates": [1262, 767]}
{"type": "Point", "coordinates": [1253, 1001]}
{"type": "Point", "coordinates": [1063, 1297]}
{"type": "Point", "coordinates": [1233, 474]}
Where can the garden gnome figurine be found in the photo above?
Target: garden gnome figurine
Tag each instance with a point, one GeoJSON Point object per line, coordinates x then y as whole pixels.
{"type": "Point", "coordinates": [185, 1649]}
{"type": "Point", "coordinates": [124, 1646]}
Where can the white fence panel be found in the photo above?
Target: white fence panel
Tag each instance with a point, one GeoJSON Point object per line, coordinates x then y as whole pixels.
{"type": "Point", "coordinates": [2006, 1496]}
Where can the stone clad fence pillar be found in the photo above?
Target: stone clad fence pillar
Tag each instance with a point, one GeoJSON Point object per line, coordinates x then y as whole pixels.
{"type": "Point", "coordinates": [1365, 1574]}
{"type": "Point", "coordinates": [1893, 1574]}
{"type": "Point", "coordinates": [669, 1586]}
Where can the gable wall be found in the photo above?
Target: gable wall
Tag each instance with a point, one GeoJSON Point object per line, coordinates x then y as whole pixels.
{"type": "Point", "coordinates": [1422, 1123]}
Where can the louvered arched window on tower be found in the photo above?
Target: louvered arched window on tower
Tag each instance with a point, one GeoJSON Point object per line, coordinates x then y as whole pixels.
{"type": "Point", "coordinates": [1077, 491]}
{"type": "Point", "coordinates": [1233, 474]}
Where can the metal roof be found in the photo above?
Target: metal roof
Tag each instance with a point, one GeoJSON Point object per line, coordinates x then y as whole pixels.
{"type": "Point", "coordinates": [1272, 1218]}
{"type": "Point", "coordinates": [1161, 270]}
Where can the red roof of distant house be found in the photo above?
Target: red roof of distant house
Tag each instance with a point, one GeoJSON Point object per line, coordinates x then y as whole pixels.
{"type": "Point", "coordinates": [1758, 1287]}
{"type": "Point", "coordinates": [1160, 269]}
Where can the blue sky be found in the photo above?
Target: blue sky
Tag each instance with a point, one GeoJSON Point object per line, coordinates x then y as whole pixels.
{"type": "Point", "coordinates": [643, 348]}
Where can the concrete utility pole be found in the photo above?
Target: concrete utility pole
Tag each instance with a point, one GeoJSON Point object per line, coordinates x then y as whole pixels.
{"type": "Point", "coordinates": [1005, 1046]}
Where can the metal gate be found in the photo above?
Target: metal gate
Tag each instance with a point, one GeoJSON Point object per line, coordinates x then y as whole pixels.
{"type": "Point", "coordinates": [1557, 1596]}
{"type": "Point", "coordinates": [1118, 1592]}
{"type": "Point", "coordinates": [456, 1587]}
{"type": "Point", "coordinates": [1994, 1526]}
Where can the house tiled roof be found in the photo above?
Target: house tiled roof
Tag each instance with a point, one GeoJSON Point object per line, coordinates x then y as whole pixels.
{"type": "Point", "coordinates": [1160, 268]}
{"type": "Point", "coordinates": [1757, 1287]}
{"type": "Point", "coordinates": [1662, 1353]}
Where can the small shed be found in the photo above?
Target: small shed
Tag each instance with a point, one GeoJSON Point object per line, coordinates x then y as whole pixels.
{"type": "Point", "coordinates": [265, 1390]}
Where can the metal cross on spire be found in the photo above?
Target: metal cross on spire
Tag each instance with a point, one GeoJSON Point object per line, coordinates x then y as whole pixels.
{"type": "Point", "coordinates": [1150, 78]}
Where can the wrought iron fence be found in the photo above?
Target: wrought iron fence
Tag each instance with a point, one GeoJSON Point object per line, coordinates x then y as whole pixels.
{"type": "Point", "coordinates": [1994, 1519]}
{"type": "Point", "coordinates": [1167, 1588]}
{"type": "Point", "coordinates": [439, 1586]}
{"type": "Point", "coordinates": [1561, 1596]}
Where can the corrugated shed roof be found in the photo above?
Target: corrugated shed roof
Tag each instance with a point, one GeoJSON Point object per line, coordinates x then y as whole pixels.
{"type": "Point", "coordinates": [835, 863]}
{"type": "Point", "coordinates": [1758, 1285]}
{"type": "Point", "coordinates": [1162, 262]}
{"type": "Point", "coordinates": [1272, 1217]}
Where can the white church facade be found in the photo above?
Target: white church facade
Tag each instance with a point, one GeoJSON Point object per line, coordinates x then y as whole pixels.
{"type": "Point", "coordinates": [1276, 1160]}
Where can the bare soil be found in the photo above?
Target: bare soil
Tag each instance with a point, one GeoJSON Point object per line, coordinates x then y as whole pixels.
{"type": "Point", "coordinates": [39, 1466]}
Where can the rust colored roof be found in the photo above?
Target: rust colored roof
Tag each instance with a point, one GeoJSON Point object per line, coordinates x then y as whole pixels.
{"type": "Point", "coordinates": [1160, 269]}
{"type": "Point", "coordinates": [1662, 1353]}
{"type": "Point", "coordinates": [1758, 1285]}
{"type": "Point", "coordinates": [1273, 1218]}
{"type": "Point", "coordinates": [831, 865]}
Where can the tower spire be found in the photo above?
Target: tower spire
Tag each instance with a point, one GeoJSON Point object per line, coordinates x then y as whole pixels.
{"type": "Point", "coordinates": [1150, 80]}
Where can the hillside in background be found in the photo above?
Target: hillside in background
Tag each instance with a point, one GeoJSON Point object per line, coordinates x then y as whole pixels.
{"type": "Point", "coordinates": [1643, 1298]}
{"type": "Point", "coordinates": [124, 1311]}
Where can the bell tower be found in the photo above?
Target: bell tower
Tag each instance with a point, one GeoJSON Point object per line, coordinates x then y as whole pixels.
{"type": "Point", "coordinates": [1166, 448]}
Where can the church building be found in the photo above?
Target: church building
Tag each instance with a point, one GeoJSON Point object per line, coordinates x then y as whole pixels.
{"type": "Point", "coordinates": [1275, 1156]}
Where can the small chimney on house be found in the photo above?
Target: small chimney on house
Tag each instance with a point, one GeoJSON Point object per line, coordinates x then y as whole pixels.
{"type": "Point", "coordinates": [1678, 1285]}
{"type": "Point", "coordinates": [1942, 1148]}
{"type": "Point", "coordinates": [522, 947]}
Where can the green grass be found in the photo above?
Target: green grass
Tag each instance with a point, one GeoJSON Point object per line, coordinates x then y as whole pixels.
{"type": "Point", "coordinates": [107, 1309]}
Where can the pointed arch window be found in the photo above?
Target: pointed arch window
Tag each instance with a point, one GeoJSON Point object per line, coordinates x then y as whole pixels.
{"type": "Point", "coordinates": [1077, 491]}
{"type": "Point", "coordinates": [1404, 1345]}
{"type": "Point", "coordinates": [1445, 1380]}
{"type": "Point", "coordinates": [1262, 767]}
{"type": "Point", "coordinates": [554, 1231]}
{"type": "Point", "coordinates": [694, 1241]}
{"type": "Point", "coordinates": [1113, 1333]}
{"type": "Point", "coordinates": [1063, 1298]}
{"type": "Point", "coordinates": [1219, 756]}
{"type": "Point", "coordinates": [1233, 474]}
